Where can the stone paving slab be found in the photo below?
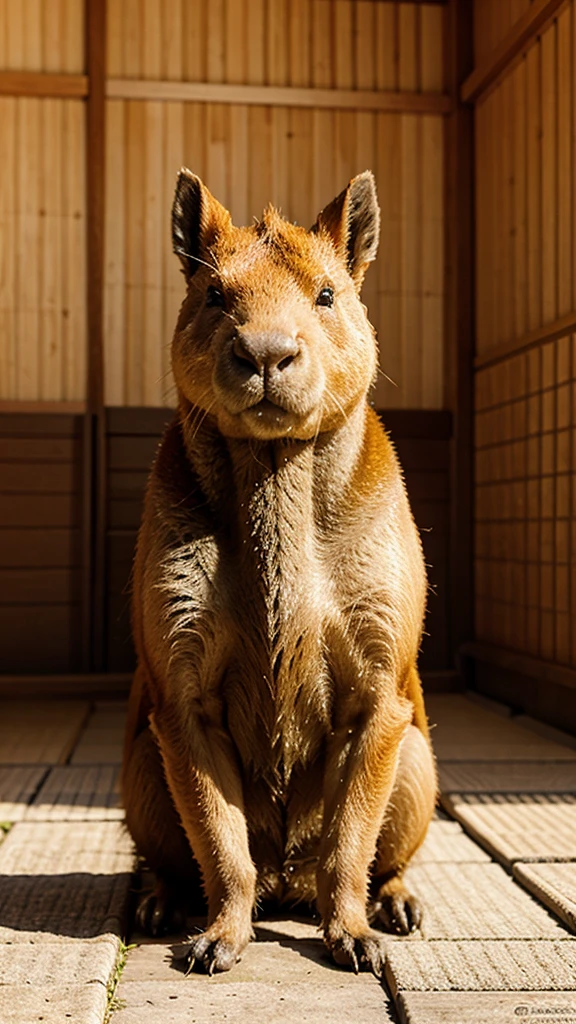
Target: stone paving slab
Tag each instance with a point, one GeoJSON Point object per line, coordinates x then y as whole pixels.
{"type": "Point", "coordinates": [57, 848]}
{"type": "Point", "coordinates": [18, 784]}
{"type": "Point", "coordinates": [72, 1004]}
{"type": "Point", "coordinates": [518, 826]}
{"type": "Point", "coordinates": [43, 732]}
{"type": "Point", "coordinates": [446, 842]}
{"type": "Point", "coordinates": [477, 901]}
{"type": "Point", "coordinates": [465, 731]}
{"type": "Point", "coordinates": [552, 884]}
{"type": "Point", "coordinates": [64, 880]}
{"type": "Point", "coordinates": [84, 793]}
{"type": "Point", "coordinates": [487, 1007]}
{"type": "Point", "coordinates": [52, 963]}
{"type": "Point", "coordinates": [505, 965]}
{"type": "Point", "coordinates": [283, 977]}
{"type": "Point", "coordinates": [198, 1001]}
{"type": "Point", "coordinates": [507, 777]}
{"type": "Point", "coordinates": [61, 908]}
{"type": "Point", "coordinates": [102, 740]}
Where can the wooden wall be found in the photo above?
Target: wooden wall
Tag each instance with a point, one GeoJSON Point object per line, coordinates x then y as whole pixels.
{"type": "Point", "coordinates": [269, 149]}
{"type": "Point", "coordinates": [100, 104]}
{"type": "Point", "coordinates": [525, 509]}
{"type": "Point", "coordinates": [42, 208]}
{"type": "Point", "coordinates": [40, 543]}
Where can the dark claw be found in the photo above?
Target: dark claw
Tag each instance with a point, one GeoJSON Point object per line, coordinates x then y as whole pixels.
{"type": "Point", "coordinates": [212, 955]}
{"type": "Point", "coordinates": [364, 951]}
{"type": "Point", "coordinates": [399, 913]}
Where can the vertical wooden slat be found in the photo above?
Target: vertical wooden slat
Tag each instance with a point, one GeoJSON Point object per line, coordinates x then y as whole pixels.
{"type": "Point", "coordinates": [389, 386]}
{"type": "Point", "coordinates": [8, 150]}
{"type": "Point", "coordinates": [549, 149]}
{"type": "Point", "coordinates": [533, 167]}
{"type": "Point", "coordinates": [459, 319]}
{"type": "Point", "coordinates": [94, 497]}
{"type": "Point", "coordinates": [115, 237]}
{"type": "Point", "coordinates": [520, 225]}
{"type": "Point", "coordinates": [565, 168]}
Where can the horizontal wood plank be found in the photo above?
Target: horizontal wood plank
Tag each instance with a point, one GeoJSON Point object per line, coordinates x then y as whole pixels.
{"type": "Point", "coordinates": [39, 478]}
{"type": "Point", "coordinates": [49, 510]}
{"type": "Point", "coordinates": [137, 420]}
{"type": "Point", "coordinates": [40, 638]}
{"type": "Point", "coordinates": [516, 42]}
{"type": "Point", "coordinates": [39, 586]}
{"type": "Point", "coordinates": [39, 449]}
{"type": "Point", "coordinates": [278, 96]}
{"type": "Point", "coordinates": [43, 84]}
{"type": "Point", "coordinates": [56, 548]}
{"type": "Point", "coordinates": [21, 423]}
{"type": "Point", "coordinates": [132, 452]}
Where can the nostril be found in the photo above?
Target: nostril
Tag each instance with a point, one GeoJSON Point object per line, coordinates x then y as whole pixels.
{"type": "Point", "coordinates": [285, 363]}
{"type": "Point", "coordinates": [243, 356]}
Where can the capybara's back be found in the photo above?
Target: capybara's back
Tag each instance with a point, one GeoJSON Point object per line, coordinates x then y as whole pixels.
{"type": "Point", "coordinates": [277, 744]}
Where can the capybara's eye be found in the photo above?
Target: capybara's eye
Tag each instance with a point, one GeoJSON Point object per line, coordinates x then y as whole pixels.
{"type": "Point", "coordinates": [326, 297]}
{"type": "Point", "coordinates": [214, 297]}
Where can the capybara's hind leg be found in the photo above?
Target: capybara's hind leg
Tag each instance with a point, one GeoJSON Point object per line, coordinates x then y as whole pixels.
{"type": "Point", "coordinates": [155, 827]}
{"type": "Point", "coordinates": [409, 811]}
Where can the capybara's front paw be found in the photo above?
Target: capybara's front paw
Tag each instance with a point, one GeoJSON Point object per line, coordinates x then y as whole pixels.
{"type": "Point", "coordinates": [212, 951]}
{"type": "Point", "coordinates": [364, 950]}
{"type": "Point", "coordinates": [159, 912]}
{"type": "Point", "coordinates": [397, 912]}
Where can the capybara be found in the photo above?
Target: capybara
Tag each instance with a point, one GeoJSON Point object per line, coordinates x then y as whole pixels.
{"type": "Point", "coordinates": [277, 744]}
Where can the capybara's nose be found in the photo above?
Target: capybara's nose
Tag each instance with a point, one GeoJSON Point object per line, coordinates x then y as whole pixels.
{"type": "Point", "coordinates": [265, 352]}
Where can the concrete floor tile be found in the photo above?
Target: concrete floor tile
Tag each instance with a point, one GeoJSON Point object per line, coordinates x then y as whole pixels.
{"type": "Point", "coordinates": [18, 784]}
{"type": "Point", "coordinates": [552, 884]}
{"type": "Point", "coordinates": [40, 732]}
{"type": "Point", "coordinates": [196, 1000]}
{"type": "Point", "coordinates": [36, 908]}
{"type": "Point", "coordinates": [74, 1004]}
{"type": "Point", "coordinates": [513, 965]}
{"type": "Point", "coordinates": [102, 741]}
{"type": "Point", "coordinates": [462, 730]}
{"type": "Point", "coordinates": [56, 848]}
{"type": "Point", "coordinates": [83, 793]}
{"type": "Point", "coordinates": [45, 963]}
{"type": "Point", "coordinates": [507, 777]}
{"type": "Point", "coordinates": [518, 826]}
{"type": "Point", "coordinates": [477, 901]}
{"type": "Point", "coordinates": [486, 1007]}
{"type": "Point", "coordinates": [446, 842]}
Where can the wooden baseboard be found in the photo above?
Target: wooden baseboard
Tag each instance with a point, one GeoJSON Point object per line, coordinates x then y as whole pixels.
{"type": "Point", "coordinates": [541, 689]}
{"type": "Point", "coordinates": [89, 685]}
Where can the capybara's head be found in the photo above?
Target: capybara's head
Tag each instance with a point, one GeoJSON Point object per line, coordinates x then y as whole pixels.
{"type": "Point", "coordinates": [272, 338]}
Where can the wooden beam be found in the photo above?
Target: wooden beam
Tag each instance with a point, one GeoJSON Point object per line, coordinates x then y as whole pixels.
{"type": "Point", "coordinates": [94, 449]}
{"type": "Point", "coordinates": [277, 96]}
{"type": "Point", "coordinates": [459, 319]}
{"type": "Point", "coordinates": [559, 328]}
{"type": "Point", "coordinates": [520, 37]}
{"type": "Point", "coordinates": [9, 405]}
{"type": "Point", "coordinates": [43, 84]}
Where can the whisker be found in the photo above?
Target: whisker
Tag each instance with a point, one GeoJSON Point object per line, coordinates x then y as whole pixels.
{"type": "Point", "coordinates": [211, 266]}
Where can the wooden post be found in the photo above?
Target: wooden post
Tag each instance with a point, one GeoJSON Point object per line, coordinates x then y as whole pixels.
{"type": "Point", "coordinates": [94, 432]}
{"type": "Point", "coordinates": [459, 318]}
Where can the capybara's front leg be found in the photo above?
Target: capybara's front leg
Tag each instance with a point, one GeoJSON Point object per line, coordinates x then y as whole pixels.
{"type": "Point", "coordinates": [360, 769]}
{"type": "Point", "coordinates": [204, 780]}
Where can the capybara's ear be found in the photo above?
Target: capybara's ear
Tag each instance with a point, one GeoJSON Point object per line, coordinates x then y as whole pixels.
{"type": "Point", "coordinates": [197, 220]}
{"type": "Point", "coordinates": [352, 221]}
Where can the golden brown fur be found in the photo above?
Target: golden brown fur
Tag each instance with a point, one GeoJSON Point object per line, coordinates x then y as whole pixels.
{"type": "Point", "coordinates": [277, 736]}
